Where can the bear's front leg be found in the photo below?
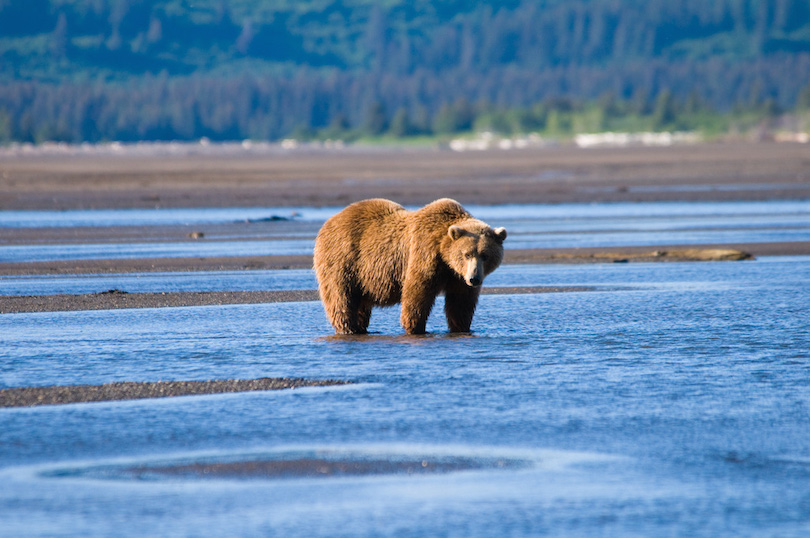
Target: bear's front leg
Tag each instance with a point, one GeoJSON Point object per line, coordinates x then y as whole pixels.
{"type": "Point", "coordinates": [459, 307]}
{"type": "Point", "coordinates": [418, 295]}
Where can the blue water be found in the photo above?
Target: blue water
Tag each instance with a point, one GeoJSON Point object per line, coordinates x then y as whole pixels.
{"type": "Point", "coordinates": [529, 226]}
{"type": "Point", "coordinates": [672, 400]}
{"type": "Point", "coordinates": [155, 217]}
{"type": "Point", "coordinates": [253, 280]}
{"type": "Point", "coordinates": [185, 249]}
{"type": "Point", "coordinates": [612, 275]}
{"type": "Point", "coordinates": [556, 212]}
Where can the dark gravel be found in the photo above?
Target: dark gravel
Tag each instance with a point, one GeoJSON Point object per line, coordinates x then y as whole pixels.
{"type": "Point", "coordinates": [116, 299]}
{"type": "Point", "coordinates": [127, 390]}
{"type": "Point", "coordinates": [311, 467]}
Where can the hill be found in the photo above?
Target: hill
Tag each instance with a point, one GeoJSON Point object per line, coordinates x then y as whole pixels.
{"type": "Point", "coordinates": [87, 70]}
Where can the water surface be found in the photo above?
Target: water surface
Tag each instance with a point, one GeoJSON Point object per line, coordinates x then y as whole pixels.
{"type": "Point", "coordinates": [674, 399]}
{"type": "Point", "coordinates": [529, 226]}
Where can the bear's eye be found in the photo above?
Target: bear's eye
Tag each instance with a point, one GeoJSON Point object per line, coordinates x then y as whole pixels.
{"type": "Point", "coordinates": [468, 255]}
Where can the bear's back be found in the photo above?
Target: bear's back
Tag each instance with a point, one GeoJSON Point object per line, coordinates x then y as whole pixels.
{"type": "Point", "coordinates": [430, 223]}
{"type": "Point", "coordinates": [444, 209]}
{"type": "Point", "coordinates": [367, 243]}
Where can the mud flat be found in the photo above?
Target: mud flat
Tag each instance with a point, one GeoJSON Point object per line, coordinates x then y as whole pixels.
{"type": "Point", "coordinates": [127, 390]}
{"type": "Point", "coordinates": [116, 299]}
{"type": "Point", "coordinates": [134, 179]}
{"type": "Point", "coordinates": [73, 179]}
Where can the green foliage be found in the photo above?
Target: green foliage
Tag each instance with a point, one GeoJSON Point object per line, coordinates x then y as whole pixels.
{"type": "Point", "coordinates": [126, 37]}
{"type": "Point", "coordinates": [179, 69]}
{"type": "Point", "coordinates": [665, 113]}
{"type": "Point", "coordinates": [401, 125]}
{"type": "Point", "coordinates": [454, 117]}
{"type": "Point", "coordinates": [376, 121]}
{"type": "Point", "coordinates": [5, 128]}
{"type": "Point", "coordinates": [803, 102]}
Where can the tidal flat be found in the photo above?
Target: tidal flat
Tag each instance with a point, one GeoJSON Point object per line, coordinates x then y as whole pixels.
{"type": "Point", "coordinates": [615, 383]}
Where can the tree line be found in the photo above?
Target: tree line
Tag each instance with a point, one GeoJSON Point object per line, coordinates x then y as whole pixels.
{"type": "Point", "coordinates": [336, 107]}
{"type": "Point", "coordinates": [173, 70]}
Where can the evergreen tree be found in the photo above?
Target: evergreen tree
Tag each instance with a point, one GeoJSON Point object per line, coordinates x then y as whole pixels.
{"type": "Point", "coordinates": [665, 111]}
{"type": "Point", "coordinates": [59, 38]}
{"type": "Point", "coordinates": [304, 63]}
{"type": "Point", "coordinates": [803, 101]}
{"type": "Point", "coordinates": [375, 122]}
{"type": "Point", "coordinates": [401, 124]}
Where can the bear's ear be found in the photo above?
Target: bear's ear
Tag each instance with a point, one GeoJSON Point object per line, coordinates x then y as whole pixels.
{"type": "Point", "coordinates": [455, 232]}
{"type": "Point", "coordinates": [500, 233]}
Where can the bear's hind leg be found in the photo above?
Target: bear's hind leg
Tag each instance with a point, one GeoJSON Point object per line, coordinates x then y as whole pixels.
{"type": "Point", "coordinates": [348, 314]}
{"type": "Point", "coordinates": [356, 319]}
{"type": "Point", "coordinates": [363, 316]}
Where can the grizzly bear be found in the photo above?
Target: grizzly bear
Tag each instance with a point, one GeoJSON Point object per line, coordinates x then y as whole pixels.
{"type": "Point", "coordinates": [377, 253]}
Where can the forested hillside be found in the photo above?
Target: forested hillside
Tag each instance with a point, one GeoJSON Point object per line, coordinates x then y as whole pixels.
{"type": "Point", "coordinates": [90, 70]}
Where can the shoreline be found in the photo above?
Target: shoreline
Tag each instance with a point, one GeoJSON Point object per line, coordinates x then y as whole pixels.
{"type": "Point", "coordinates": [117, 299]}
{"type": "Point", "coordinates": [138, 390]}
{"type": "Point", "coordinates": [712, 171]}
{"type": "Point", "coordinates": [708, 172]}
{"type": "Point", "coordinates": [651, 253]}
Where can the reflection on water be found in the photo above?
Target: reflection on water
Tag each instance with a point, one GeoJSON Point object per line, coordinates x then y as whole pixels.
{"type": "Point", "coordinates": [677, 403]}
{"type": "Point", "coordinates": [380, 338]}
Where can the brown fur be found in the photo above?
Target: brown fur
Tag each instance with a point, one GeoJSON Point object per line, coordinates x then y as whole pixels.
{"type": "Point", "coordinates": [377, 253]}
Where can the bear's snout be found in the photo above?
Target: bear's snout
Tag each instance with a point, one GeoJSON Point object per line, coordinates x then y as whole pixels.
{"type": "Point", "coordinates": [474, 276]}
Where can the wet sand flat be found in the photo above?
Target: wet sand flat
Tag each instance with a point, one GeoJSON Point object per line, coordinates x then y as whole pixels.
{"type": "Point", "coordinates": [659, 377]}
{"type": "Point", "coordinates": [116, 299]}
{"type": "Point", "coordinates": [514, 256]}
{"type": "Point", "coordinates": [131, 179]}
{"type": "Point", "coordinates": [74, 180]}
{"type": "Point", "coordinates": [319, 467]}
{"type": "Point", "coordinates": [54, 395]}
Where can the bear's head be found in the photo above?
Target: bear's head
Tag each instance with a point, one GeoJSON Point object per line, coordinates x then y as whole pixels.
{"type": "Point", "coordinates": [473, 250]}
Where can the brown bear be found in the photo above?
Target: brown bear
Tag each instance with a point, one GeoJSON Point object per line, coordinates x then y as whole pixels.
{"type": "Point", "coordinates": [377, 253]}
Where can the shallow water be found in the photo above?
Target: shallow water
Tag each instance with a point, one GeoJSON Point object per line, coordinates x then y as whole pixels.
{"type": "Point", "coordinates": [182, 249]}
{"type": "Point", "coordinates": [529, 226]}
{"type": "Point", "coordinates": [556, 212]}
{"type": "Point", "coordinates": [253, 280]}
{"type": "Point", "coordinates": [611, 275]}
{"type": "Point", "coordinates": [674, 399]}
